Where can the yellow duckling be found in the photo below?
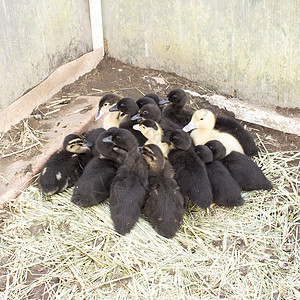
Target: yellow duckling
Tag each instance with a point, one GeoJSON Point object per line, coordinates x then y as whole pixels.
{"type": "Point", "coordinates": [202, 130]}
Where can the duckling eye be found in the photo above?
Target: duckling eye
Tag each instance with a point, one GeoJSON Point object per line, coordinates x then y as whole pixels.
{"type": "Point", "coordinates": [145, 113]}
{"type": "Point", "coordinates": [201, 119]}
{"type": "Point", "coordinates": [143, 126]}
{"type": "Point", "coordinates": [105, 104]}
{"type": "Point", "coordinates": [122, 105]}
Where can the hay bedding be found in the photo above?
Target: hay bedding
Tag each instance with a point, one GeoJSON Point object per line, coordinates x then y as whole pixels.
{"type": "Point", "coordinates": [52, 249]}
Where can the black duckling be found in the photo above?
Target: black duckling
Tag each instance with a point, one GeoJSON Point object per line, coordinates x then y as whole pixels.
{"type": "Point", "coordinates": [154, 135]}
{"type": "Point", "coordinates": [130, 185]}
{"type": "Point", "coordinates": [111, 119]}
{"type": "Point", "coordinates": [177, 111]}
{"type": "Point", "coordinates": [145, 100]}
{"type": "Point", "coordinates": [164, 204]}
{"type": "Point", "coordinates": [152, 112]}
{"type": "Point", "coordinates": [129, 108]}
{"type": "Point", "coordinates": [226, 191]}
{"type": "Point", "coordinates": [202, 130]}
{"type": "Point", "coordinates": [244, 170]}
{"type": "Point", "coordinates": [154, 97]}
{"type": "Point", "coordinates": [190, 171]}
{"type": "Point", "coordinates": [93, 186]}
{"type": "Point", "coordinates": [65, 166]}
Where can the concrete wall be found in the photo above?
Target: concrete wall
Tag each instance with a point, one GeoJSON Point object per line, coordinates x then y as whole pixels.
{"type": "Point", "coordinates": [246, 48]}
{"type": "Point", "coordinates": [35, 38]}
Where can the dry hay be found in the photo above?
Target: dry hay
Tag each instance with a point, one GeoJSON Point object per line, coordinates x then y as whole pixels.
{"type": "Point", "coordinates": [53, 249]}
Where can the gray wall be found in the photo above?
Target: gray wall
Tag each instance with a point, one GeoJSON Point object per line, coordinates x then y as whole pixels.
{"type": "Point", "coordinates": [37, 36]}
{"type": "Point", "coordinates": [247, 48]}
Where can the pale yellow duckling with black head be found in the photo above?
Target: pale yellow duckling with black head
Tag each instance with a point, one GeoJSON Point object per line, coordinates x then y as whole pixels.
{"type": "Point", "coordinates": [201, 128]}
{"type": "Point", "coordinates": [206, 126]}
{"type": "Point", "coordinates": [111, 118]}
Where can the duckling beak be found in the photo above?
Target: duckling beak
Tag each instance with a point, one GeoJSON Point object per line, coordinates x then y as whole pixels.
{"type": "Point", "coordinates": [99, 114]}
{"type": "Point", "coordinates": [140, 150]}
{"type": "Point", "coordinates": [190, 126]}
{"type": "Point", "coordinates": [164, 101]}
{"type": "Point", "coordinates": [107, 139]}
{"type": "Point", "coordinates": [136, 117]}
{"type": "Point", "coordinates": [88, 144]}
{"type": "Point", "coordinates": [137, 127]}
{"type": "Point", "coordinates": [114, 108]}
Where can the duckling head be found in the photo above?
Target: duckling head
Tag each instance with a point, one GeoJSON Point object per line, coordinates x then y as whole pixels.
{"type": "Point", "coordinates": [127, 106]}
{"type": "Point", "coordinates": [145, 100]}
{"type": "Point", "coordinates": [76, 144]}
{"type": "Point", "coordinates": [217, 148]}
{"type": "Point", "coordinates": [150, 129]}
{"type": "Point", "coordinates": [105, 104]}
{"type": "Point", "coordinates": [204, 153]}
{"type": "Point", "coordinates": [180, 140]}
{"type": "Point", "coordinates": [203, 118]}
{"type": "Point", "coordinates": [109, 149]}
{"type": "Point", "coordinates": [154, 97]}
{"type": "Point", "coordinates": [177, 97]}
{"type": "Point", "coordinates": [122, 138]}
{"type": "Point", "coordinates": [154, 157]}
{"type": "Point", "coordinates": [148, 111]}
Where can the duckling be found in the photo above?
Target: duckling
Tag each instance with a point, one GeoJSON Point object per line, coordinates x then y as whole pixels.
{"type": "Point", "coordinates": [65, 166]}
{"type": "Point", "coordinates": [93, 186]}
{"type": "Point", "coordinates": [154, 134]}
{"type": "Point", "coordinates": [130, 185]}
{"type": "Point", "coordinates": [129, 108]}
{"type": "Point", "coordinates": [202, 130]}
{"type": "Point", "coordinates": [154, 97]}
{"type": "Point", "coordinates": [152, 112]}
{"type": "Point", "coordinates": [111, 119]}
{"type": "Point", "coordinates": [177, 111]}
{"type": "Point", "coordinates": [190, 171]}
{"type": "Point", "coordinates": [206, 126]}
{"type": "Point", "coordinates": [164, 203]}
{"type": "Point", "coordinates": [244, 170]}
{"type": "Point", "coordinates": [145, 100]}
{"type": "Point", "coordinates": [226, 191]}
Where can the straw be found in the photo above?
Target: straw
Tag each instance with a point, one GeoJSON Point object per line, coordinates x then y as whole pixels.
{"type": "Point", "coordinates": [52, 247]}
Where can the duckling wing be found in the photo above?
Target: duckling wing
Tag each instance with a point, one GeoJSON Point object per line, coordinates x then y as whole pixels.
{"type": "Point", "coordinates": [245, 171]}
{"type": "Point", "coordinates": [191, 176]}
{"type": "Point", "coordinates": [60, 171]}
{"type": "Point", "coordinates": [234, 128]}
{"type": "Point", "coordinates": [164, 207]}
{"type": "Point", "coordinates": [226, 191]}
{"type": "Point", "coordinates": [93, 186]}
{"type": "Point", "coordinates": [127, 197]}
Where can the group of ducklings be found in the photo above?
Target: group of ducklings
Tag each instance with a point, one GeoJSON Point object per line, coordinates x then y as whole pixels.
{"type": "Point", "coordinates": [153, 156]}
